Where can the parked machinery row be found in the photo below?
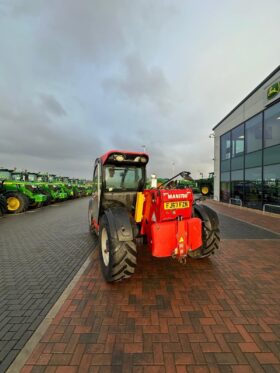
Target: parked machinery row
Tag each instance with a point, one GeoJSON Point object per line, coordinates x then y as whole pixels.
{"type": "Point", "coordinates": [203, 186]}
{"type": "Point", "coordinates": [21, 190]}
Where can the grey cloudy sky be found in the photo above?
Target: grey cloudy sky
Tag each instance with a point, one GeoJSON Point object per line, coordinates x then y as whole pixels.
{"type": "Point", "coordinates": [80, 77]}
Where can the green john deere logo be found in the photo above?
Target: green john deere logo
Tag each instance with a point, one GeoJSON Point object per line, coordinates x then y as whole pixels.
{"type": "Point", "coordinates": [273, 90]}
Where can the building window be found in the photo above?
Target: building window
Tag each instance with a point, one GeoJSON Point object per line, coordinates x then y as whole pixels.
{"type": "Point", "coordinates": [237, 141]}
{"type": "Point", "coordinates": [253, 134]}
{"type": "Point", "coordinates": [225, 146]}
{"type": "Point", "coordinates": [253, 159]}
{"type": "Point", "coordinates": [272, 126]}
{"type": "Point", "coordinates": [271, 188]}
{"type": "Point", "coordinates": [225, 187]}
{"type": "Point", "coordinates": [271, 155]}
{"type": "Point", "coordinates": [237, 185]}
{"type": "Point", "coordinates": [253, 187]}
{"type": "Point", "coordinates": [250, 160]}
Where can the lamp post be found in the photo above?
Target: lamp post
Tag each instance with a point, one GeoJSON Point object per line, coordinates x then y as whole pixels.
{"type": "Point", "coordinates": [173, 168]}
{"type": "Point", "coordinates": [144, 148]}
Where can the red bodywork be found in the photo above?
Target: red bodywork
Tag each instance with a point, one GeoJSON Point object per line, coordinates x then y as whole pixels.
{"type": "Point", "coordinates": [168, 224]}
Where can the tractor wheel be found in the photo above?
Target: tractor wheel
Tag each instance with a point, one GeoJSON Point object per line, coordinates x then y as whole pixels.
{"type": "Point", "coordinates": [16, 202]}
{"type": "Point", "coordinates": [48, 200]}
{"type": "Point", "coordinates": [204, 190]}
{"type": "Point", "coordinates": [118, 258]}
{"type": "Point", "coordinates": [35, 205]}
{"type": "Point", "coordinates": [210, 232]}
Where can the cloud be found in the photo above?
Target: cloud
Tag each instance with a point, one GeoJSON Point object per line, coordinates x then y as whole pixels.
{"type": "Point", "coordinates": [80, 77]}
{"type": "Point", "coordinates": [52, 105]}
{"type": "Point", "coordinates": [31, 134]}
{"type": "Point", "coordinates": [139, 83]}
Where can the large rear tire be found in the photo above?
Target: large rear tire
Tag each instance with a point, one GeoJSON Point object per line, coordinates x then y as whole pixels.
{"type": "Point", "coordinates": [210, 232]}
{"type": "Point", "coordinates": [16, 202]}
{"type": "Point", "coordinates": [118, 258]}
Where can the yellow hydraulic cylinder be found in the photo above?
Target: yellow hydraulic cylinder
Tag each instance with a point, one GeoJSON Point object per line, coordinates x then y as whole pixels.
{"type": "Point", "coordinates": [139, 207]}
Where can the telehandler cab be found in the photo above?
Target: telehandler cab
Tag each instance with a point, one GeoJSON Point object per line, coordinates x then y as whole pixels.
{"type": "Point", "coordinates": [121, 212]}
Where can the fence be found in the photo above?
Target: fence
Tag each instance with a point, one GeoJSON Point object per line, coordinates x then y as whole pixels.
{"type": "Point", "coordinates": [236, 199]}
{"type": "Point", "coordinates": [270, 205]}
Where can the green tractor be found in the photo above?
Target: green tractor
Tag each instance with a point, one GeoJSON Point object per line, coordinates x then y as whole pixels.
{"type": "Point", "coordinates": [86, 187]}
{"type": "Point", "coordinates": [64, 184]}
{"type": "Point", "coordinates": [33, 177]}
{"type": "Point", "coordinates": [77, 190]}
{"type": "Point", "coordinates": [179, 184]}
{"type": "Point", "coordinates": [20, 194]}
{"type": "Point", "coordinates": [49, 185]}
{"type": "Point", "coordinates": [57, 188]}
{"type": "Point", "coordinates": [67, 186]}
{"type": "Point", "coordinates": [206, 185]}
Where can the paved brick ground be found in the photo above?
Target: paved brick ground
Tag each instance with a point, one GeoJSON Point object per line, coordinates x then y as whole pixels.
{"type": "Point", "coordinates": [40, 252]}
{"type": "Point", "coordinates": [213, 315]}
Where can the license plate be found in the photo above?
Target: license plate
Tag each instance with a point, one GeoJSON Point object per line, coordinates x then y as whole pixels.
{"type": "Point", "coordinates": [176, 205]}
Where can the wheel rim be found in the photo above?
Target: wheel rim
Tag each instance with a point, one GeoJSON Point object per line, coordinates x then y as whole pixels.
{"type": "Point", "coordinates": [105, 247]}
{"type": "Point", "coordinates": [13, 203]}
{"type": "Point", "coordinates": [204, 190]}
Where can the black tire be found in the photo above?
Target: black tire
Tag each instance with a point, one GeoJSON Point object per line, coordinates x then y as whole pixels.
{"type": "Point", "coordinates": [23, 202]}
{"type": "Point", "coordinates": [210, 232]}
{"type": "Point", "coordinates": [48, 200]}
{"type": "Point", "coordinates": [35, 205]}
{"type": "Point", "coordinates": [121, 258]}
{"type": "Point", "coordinates": [3, 205]}
{"type": "Point", "coordinates": [90, 228]}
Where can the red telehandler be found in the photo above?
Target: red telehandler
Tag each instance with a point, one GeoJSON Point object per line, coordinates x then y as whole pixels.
{"type": "Point", "coordinates": [122, 212]}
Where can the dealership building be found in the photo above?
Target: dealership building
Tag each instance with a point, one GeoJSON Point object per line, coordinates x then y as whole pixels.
{"type": "Point", "coordinates": [247, 149]}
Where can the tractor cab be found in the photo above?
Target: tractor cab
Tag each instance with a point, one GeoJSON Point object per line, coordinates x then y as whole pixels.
{"type": "Point", "coordinates": [42, 178]}
{"type": "Point", "coordinates": [5, 174]}
{"type": "Point", "coordinates": [32, 176]}
{"type": "Point", "coordinates": [18, 176]}
{"type": "Point", "coordinates": [117, 177]}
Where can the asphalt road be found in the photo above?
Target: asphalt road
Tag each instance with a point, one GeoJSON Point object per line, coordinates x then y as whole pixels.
{"type": "Point", "coordinates": [239, 230]}
{"type": "Point", "coordinates": [41, 251]}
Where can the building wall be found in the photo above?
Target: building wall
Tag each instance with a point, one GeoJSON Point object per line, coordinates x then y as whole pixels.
{"type": "Point", "coordinates": [256, 103]}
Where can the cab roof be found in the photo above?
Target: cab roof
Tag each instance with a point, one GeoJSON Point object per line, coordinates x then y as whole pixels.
{"type": "Point", "coordinates": [129, 157]}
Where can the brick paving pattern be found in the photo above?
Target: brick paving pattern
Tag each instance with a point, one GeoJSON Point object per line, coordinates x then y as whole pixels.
{"type": "Point", "coordinates": [215, 315]}
{"type": "Point", "coordinates": [40, 252]}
